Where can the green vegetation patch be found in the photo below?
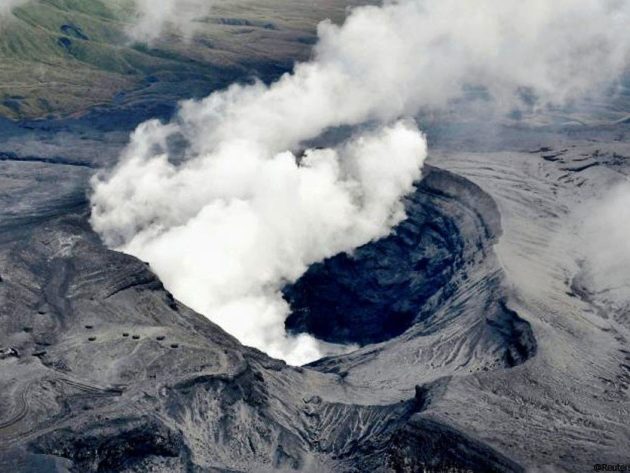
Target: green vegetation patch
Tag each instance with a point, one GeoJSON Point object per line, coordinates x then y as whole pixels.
{"type": "Point", "coordinates": [63, 57]}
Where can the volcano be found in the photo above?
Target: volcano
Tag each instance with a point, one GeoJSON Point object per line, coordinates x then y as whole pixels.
{"type": "Point", "coordinates": [488, 330]}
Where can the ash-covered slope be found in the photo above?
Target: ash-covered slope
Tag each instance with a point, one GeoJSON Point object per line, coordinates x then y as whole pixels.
{"type": "Point", "coordinates": [562, 408]}
{"type": "Point", "coordinates": [506, 365]}
{"type": "Point", "coordinates": [106, 372]}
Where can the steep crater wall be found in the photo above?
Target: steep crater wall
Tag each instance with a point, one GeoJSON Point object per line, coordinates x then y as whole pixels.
{"type": "Point", "coordinates": [382, 289]}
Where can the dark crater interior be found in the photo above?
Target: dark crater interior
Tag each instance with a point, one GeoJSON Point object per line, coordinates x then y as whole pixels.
{"type": "Point", "coordinates": [387, 286]}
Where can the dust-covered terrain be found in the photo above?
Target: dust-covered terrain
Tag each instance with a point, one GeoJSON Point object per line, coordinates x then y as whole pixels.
{"type": "Point", "coordinates": [492, 324]}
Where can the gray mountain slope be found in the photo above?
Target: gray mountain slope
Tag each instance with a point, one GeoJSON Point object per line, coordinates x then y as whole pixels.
{"type": "Point", "coordinates": [509, 365]}
{"type": "Point", "coordinates": [490, 343]}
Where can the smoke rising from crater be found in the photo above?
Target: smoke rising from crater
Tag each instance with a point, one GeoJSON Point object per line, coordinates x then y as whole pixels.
{"type": "Point", "coordinates": [242, 214]}
{"type": "Point", "coordinates": [154, 17]}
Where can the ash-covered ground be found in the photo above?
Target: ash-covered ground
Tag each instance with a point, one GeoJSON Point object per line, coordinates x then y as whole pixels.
{"type": "Point", "coordinates": [486, 348]}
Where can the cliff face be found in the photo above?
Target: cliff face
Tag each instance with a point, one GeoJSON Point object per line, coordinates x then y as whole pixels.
{"type": "Point", "coordinates": [385, 288]}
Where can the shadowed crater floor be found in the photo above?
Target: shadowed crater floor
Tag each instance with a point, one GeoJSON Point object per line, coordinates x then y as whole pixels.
{"type": "Point", "coordinates": [386, 287]}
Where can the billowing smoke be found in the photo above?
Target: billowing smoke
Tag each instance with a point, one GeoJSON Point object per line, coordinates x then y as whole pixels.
{"type": "Point", "coordinates": [227, 228]}
{"type": "Point", "coordinates": [604, 227]}
{"type": "Point", "coordinates": [244, 212]}
{"type": "Point", "coordinates": [154, 17]}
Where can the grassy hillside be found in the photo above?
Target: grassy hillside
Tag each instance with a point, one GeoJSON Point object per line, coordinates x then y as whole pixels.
{"type": "Point", "coordinates": [62, 57]}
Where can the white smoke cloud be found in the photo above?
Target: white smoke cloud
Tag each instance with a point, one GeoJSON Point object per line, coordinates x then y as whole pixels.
{"type": "Point", "coordinates": [154, 17]}
{"type": "Point", "coordinates": [242, 215]}
{"type": "Point", "coordinates": [604, 226]}
{"type": "Point", "coordinates": [227, 229]}
{"type": "Point", "coordinates": [7, 6]}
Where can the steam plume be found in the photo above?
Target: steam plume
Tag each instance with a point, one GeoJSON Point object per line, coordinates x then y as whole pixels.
{"type": "Point", "coordinates": [155, 16]}
{"type": "Point", "coordinates": [242, 214]}
{"type": "Point", "coordinates": [7, 6]}
{"type": "Point", "coordinates": [604, 227]}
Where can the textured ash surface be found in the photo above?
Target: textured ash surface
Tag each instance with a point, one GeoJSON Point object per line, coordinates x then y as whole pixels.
{"type": "Point", "coordinates": [500, 366]}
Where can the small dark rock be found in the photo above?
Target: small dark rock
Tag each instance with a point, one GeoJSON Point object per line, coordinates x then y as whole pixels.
{"type": "Point", "coordinates": [74, 31]}
{"type": "Point", "coordinates": [9, 353]}
{"type": "Point", "coordinates": [65, 43]}
{"type": "Point", "coordinates": [313, 400]}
